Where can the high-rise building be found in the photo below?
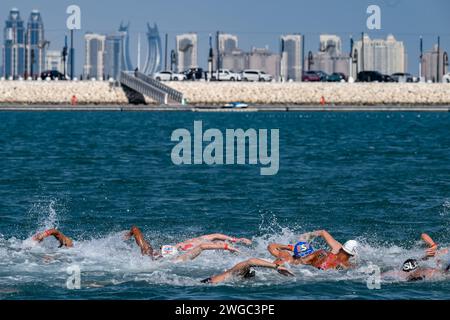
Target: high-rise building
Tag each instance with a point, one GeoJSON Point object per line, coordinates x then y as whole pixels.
{"type": "Point", "coordinates": [430, 62]}
{"type": "Point", "coordinates": [94, 54]}
{"type": "Point", "coordinates": [236, 60]}
{"type": "Point", "coordinates": [54, 61]}
{"type": "Point", "coordinates": [126, 63]}
{"type": "Point", "coordinates": [385, 56]}
{"type": "Point", "coordinates": [186, 50]}
{"type": "Point", "coordinates": [331, 43]}
{"type": "Point", "coordinates": [153, 60]}
{"type": "Point", "coordinates": [35, 44]}
{"type": "Point", "coordinates": [113, 56]}
{"type": "Point", "coordinates": [14, 46]}
{"type": "Point", "coordinates": [330, 58]}
{"type": "Point", "coordinates": [291, 57]}
{"type": "Point", "coordinates": [263, 59]}
{"type": "Point", "coordinates": [227, 43]}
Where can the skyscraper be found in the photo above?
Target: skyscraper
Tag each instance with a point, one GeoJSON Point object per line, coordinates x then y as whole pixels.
{"type": "Point", "coordinates": [153, 62]}
{"type": "Point", "coordinates": [263, 59]}
{"type": "Point", "coordinates": [14, 46]}
{"type": "Point", "coordinates": [236, 60]}
{"type": "Point", "coordinates": [94, 54]}
{"type": "Point", "coordinates": [430, 64]}
{"type": "Point", "coordinates": [291, 57]}
{"type": "Point", "coordinates": [331, 43]}
{"type": "Point", "coordinates": [54, 61]}
{"type": "Point", "coordinates": [126, 63]}
{"type": "Point", "coordinates": [113, 56]}
{"type": "Point", "coordinates": [386, 56]}
{"type": "Point", "coordinates": [35, 44]}
{"type": "Point", "coordinates": [227, 43]}
{"type": "Point", "coordinates": [186, 50]}
{"type": "Point", "coordinates": [330, 58]}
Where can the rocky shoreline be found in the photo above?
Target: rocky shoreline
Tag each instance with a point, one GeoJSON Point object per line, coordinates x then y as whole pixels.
{"type": "Point", "coordinates": [214, 93]}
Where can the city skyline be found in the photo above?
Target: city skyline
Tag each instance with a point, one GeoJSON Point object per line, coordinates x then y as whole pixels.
{"type": "Point", "coordinates": [248, 37]}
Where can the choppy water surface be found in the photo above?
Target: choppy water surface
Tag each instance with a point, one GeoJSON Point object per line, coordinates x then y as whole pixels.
{"type": "Point", "coordinates": [382, 178]}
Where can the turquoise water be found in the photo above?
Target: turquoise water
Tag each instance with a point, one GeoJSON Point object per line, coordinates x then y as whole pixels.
{"type": "Point", "coordinates": [382, 178]}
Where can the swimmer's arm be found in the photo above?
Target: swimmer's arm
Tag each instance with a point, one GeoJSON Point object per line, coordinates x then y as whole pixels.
{"type": "Point", "coordinates": [223, 237]}
{"type": "Point", "coordinates": [275, 248]}
{"type": "Point", "coordinates": [333, 243]}
{"type": "Point", "coordinates": [63, 240]}
{"type": "Point", "coordinates": [259, 263]}
{"type": "Point", "coordinates": [146, 248]}
{"type": "Point", "coordinates": [196, 251]}
{"type": "Point", "coordinates": [432, 250]}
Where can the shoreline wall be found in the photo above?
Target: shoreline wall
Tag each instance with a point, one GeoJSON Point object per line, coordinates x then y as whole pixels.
{"type": "Point", "coordinates": [215, 93]}
{"type": "Point", "coordinates": [311, 93]}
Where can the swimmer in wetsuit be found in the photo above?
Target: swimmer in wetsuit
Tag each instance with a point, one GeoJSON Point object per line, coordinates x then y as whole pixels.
{"type": "Point", "coordinates": [338, 258]}
{"type": "Point", "coordinates": [64, 241]}
{"type": "Point", "coordinates": [186, 250]}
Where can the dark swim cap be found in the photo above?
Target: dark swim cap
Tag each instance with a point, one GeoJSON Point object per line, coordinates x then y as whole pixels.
{"type": "Point", "coordinates": [410, 265]}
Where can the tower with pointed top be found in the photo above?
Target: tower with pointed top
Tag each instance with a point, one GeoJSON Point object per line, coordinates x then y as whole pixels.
{"type": "Point", "coordinates": [14, 46]}
{"type": "Point", "coordinates": [153, 59]}
{"type": "Point", "coordinates": [126, 63]}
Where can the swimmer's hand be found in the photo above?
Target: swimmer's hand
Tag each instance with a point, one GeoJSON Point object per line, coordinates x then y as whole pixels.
{"type": "Point", "coordinates": [431, 252]}
{"type": "Point", "coordinates": [231, 249]}
{"type": "Point", "coordinates": [244, 241]}
{"type": "Point", "coordinates": [285, 272]}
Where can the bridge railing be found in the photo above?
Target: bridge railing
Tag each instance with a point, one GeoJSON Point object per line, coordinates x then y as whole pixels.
{"type": "Point", "coordinates": [142, 87]}
{"type": "Point", "coordinates": [151, 87]}
{"type": "Point", "coordinates": [173, 94]}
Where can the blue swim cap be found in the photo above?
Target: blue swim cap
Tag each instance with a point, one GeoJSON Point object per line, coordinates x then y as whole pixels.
{"type": "Point", "coordinates": [303, 249]}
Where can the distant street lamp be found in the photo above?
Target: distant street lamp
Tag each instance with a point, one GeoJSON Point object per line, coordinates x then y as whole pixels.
{"type": "Point", "coordinates": [64, 57]}
{"type": "Point", "coordinates": [445, 62]}
{"type": "Point", "coordinates": [438, 67]}
{"type": "Point", "coordinates": [310, 60]}
{"type": "Point", "coordinates": [355, 60]}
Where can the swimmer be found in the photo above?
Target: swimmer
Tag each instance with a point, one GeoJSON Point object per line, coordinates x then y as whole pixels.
{"type": "Point", "coordinates": [187, 250]}
{"type": "Point", "coordinates": [64, 241]}
{"type": "Point", "coordinates": [302, 253]}
{"type": "Point", "coordinates": [244, 270]}
{"type": "Point", "coordinates": [412, 270]}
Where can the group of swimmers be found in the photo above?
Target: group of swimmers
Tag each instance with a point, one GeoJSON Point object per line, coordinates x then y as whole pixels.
{"type": "Point", "coordinates": [337, 257]}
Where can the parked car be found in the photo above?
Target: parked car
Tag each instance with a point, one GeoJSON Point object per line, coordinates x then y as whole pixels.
{"type": "Point", "coordinates": [194, 74]}
{"type": "Point", "coordinates": [311, 76]}
{"type": "Point", "coordinates": [446, 78]}
{"type": "Point", "coordinates": [323, 75]}
{"type": "Point", "coordinates": [373, 76]}
{"type": "Point", "coordinates": [402, 77]}
{"type": "Point", "coordinates": [255, 75]}
{"type": "Point", "coordinates": [337, 77]}
{"type": "Point", "coordinates": [225, 75]}
{"type": "Point", "coordinates": [169, 76]}
{"type": "Point", "coordinates": [52, 74]}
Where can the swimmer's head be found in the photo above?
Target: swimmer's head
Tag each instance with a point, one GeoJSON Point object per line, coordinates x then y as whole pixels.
{"type": "Point", "coordinates": [351, 247]}
{"type": "Point", "coordinates": [249, 274]}
{"type": "Point", "coordinates": [168, 251]}
{"type": "Point", "coordinates": [303, 249]}
{"type": "Point", "coordinates": [410, 265]}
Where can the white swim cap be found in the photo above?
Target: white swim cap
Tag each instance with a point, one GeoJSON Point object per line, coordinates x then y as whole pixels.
{"type": "Point", "coordinates": [351, 247]}
{"type": "Point", "coordinates": [167, 251]}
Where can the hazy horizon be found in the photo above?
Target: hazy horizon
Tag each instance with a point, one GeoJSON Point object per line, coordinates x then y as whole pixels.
{"type": "Point", "coordinates": [257, 23]}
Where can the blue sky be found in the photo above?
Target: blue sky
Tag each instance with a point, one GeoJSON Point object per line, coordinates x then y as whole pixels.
{"type": "Point", "coordinates": [256, 22]}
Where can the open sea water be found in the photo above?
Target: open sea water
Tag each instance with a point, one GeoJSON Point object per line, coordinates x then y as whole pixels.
{"type": "Point", "coordinates": [382, 178]}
